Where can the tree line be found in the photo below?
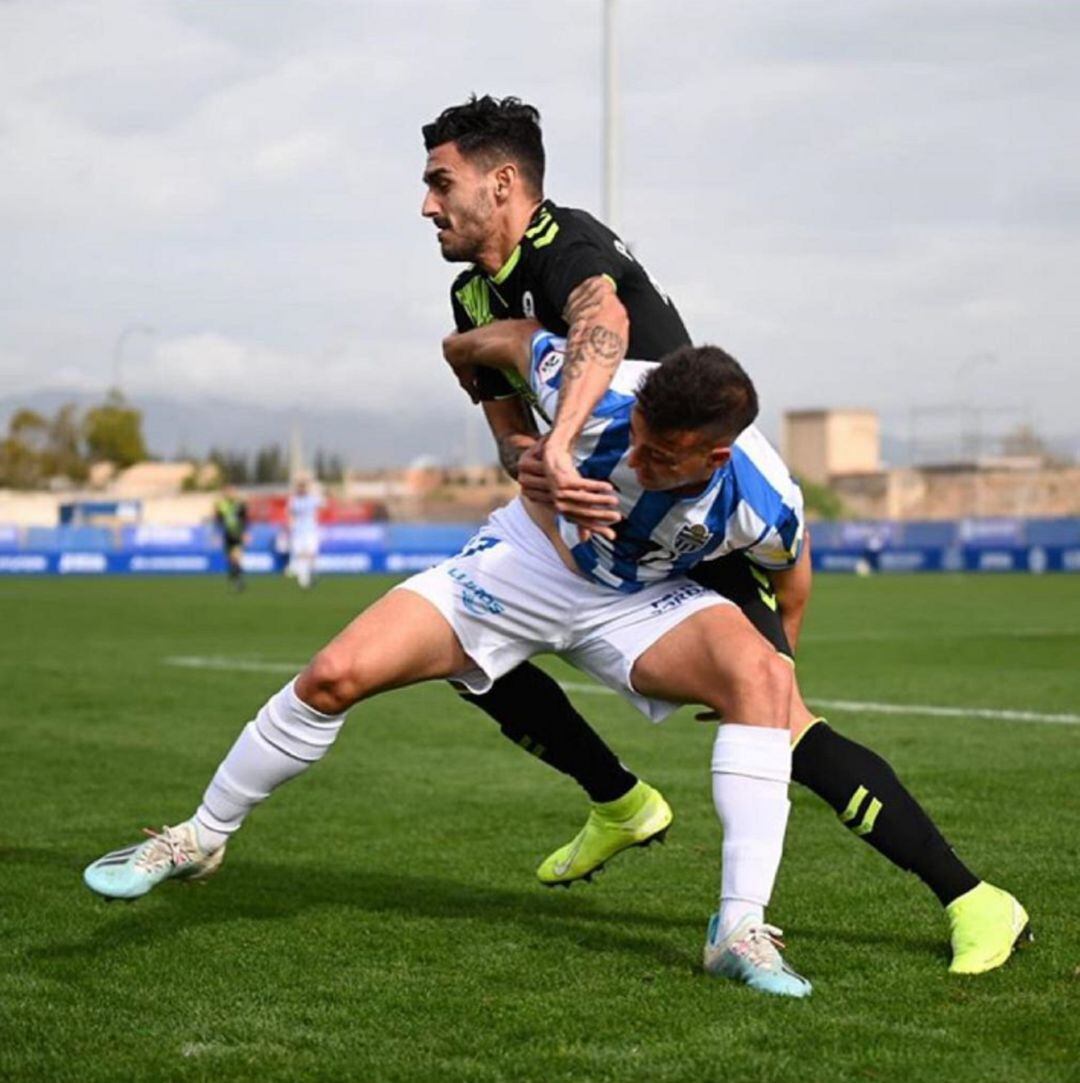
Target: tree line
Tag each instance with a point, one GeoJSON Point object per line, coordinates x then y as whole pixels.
{"type": "Point", "coordinates": [38, 450]}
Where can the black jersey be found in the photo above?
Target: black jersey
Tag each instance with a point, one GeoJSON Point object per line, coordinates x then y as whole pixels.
{"type": "Point", "coordinates": [231, 517]}
{"type": "Point", "coordinates": [561, 248]}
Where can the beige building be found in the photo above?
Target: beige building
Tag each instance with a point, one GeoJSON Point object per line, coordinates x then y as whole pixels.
{"type": "Point", "coordinates": [821, 444]}
{"type": "Point", "coordinates": [1016, 489]}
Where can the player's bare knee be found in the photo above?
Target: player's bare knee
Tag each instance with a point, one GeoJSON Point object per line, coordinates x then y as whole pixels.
{"type": "Point", "coordinates": [757, 690]}
{"type": "Point", "coordinates": [773, 690]}
{"type": "Point", "coordinates": [330, 683]}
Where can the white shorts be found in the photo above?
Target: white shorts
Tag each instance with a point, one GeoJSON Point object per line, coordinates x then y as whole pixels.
{"type": "Point", "coordinates": [508, 596]}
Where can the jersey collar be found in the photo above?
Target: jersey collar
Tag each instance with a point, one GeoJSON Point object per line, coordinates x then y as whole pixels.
{"type": "Point", "coordinates": [507, 269]}
{"type": "Point", "coordinates": [504, 272]}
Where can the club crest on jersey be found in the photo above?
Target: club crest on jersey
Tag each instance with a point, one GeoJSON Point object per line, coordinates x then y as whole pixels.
{"type": "Point", "coordinates": [528, 305]}
{"type": "Point", "coordinates": [691, 538]}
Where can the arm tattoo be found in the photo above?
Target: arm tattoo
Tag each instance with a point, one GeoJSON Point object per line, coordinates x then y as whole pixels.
{"type": "Point", "coordinates": [585, 300]}
{"type": "Point", "coordinates": [608, 347]}
{"type": "Point", "coordinates": [596, 344]}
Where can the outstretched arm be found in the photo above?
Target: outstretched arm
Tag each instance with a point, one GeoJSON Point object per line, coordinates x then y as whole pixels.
{"type": "Point", "coordinates": [504, 344]}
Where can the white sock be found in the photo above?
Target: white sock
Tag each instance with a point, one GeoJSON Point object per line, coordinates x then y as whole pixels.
{"type": "Point", "coordinates": [751, 768]}
{"type": "Point", "coordinates": [286, 738]}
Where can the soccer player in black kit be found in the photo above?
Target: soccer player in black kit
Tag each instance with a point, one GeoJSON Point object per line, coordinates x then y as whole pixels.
{"type": "Point", "coordinates": [532, 258]}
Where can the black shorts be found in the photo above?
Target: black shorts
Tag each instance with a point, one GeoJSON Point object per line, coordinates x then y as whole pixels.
{"type": "Point", "coordinates": [230, 543]}
{"type": "Point", "coordinates": [749, 588]}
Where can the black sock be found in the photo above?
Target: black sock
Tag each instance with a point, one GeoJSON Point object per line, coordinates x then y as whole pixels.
{"type": "Point", "coordinates": [533, 712]}
{"type": "Point", "coordinates": [872, 802]}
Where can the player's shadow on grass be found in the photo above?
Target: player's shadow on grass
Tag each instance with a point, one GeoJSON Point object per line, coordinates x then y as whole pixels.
{"type": "Point", "coordinates": [909, 943]}
{"type": "Point", "coordinates": [267, 892]}
{"type": "Point", "coordinates": [257, 891]}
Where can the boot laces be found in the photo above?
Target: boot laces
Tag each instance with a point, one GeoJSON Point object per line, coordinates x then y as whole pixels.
{"type": "Point", "coordinates": [164, 848]}
{"type": "Point", "coordinates": [760, 945]}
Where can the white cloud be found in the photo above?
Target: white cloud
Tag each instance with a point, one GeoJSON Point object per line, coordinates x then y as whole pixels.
{"type": "Point", "coordinates": [855, 196]}
{"type": "Point", "coordinates": [352, 374]}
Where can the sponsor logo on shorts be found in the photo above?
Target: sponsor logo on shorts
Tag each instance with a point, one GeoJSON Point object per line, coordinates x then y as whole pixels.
{"type": "Point", "coordinates": [691, 538]}
{"type": "Point", "coordinates": [674, 598]}
{"type": "Point", "coordinates": [476, 600]}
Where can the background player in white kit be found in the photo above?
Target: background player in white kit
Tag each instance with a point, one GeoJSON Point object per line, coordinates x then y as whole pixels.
{"type": "Point", "coordinates": [622, 613]}
{"type": "Point", "coordinates": [305, 502]}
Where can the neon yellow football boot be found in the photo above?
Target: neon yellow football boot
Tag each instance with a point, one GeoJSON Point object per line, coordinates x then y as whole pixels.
{"type": "Point", "coordinates": [987, 923]}
{"type": "Point", "coordinates": [638, 818]}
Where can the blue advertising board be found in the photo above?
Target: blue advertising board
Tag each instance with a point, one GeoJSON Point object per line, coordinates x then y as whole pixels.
{"type": "Point", "coordinates": [991, 545]}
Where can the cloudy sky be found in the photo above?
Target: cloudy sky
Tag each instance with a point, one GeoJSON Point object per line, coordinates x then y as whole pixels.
{"type": "Point", "coordinates": [870, 203]}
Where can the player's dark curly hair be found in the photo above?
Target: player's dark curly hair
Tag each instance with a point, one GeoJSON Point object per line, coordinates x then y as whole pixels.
{"type": "Point", "coordinates": [698, 387]}
{"type": "Point", "coordinates": [489, 128]}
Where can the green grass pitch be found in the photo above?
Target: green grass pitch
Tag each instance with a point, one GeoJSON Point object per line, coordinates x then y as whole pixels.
{"type": "Point", "coordinates": [379, 920]}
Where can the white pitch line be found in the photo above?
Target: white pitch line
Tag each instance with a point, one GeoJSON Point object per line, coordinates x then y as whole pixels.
{"type": "Point", "coordinates": [232, 665]}
{"type": "Point", "coordinates": [245, 665]}
{"type": "Point", "coordinates": [930, 711]}
{"type": "Point", "coordinates": [902, 637]}
{"type": "Point", "coordinates": [927, 710]}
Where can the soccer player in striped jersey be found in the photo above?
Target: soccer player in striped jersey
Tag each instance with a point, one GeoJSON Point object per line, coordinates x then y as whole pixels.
{"type": "Point", "coordinates": [533, 258]}
{"type": "Point", "coordinates": [517, 590]}
{"type": "Point", "coordinates": [657, 513]}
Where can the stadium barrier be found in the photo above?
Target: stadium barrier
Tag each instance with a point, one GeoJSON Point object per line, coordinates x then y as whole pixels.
{"type": "Point", "coordinates": [967, 545]}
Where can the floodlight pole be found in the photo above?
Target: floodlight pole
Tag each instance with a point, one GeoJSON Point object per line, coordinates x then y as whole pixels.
{"type": "Point", "coordinates": [611, 118]}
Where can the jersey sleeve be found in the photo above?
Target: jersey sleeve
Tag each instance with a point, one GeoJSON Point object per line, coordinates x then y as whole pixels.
{"type": "Point", "coordinates": [490, 383]}
{"type": "Point", "coordinates": [781, 542]}
{"type": "Point", "coordinates": [768, 519]}
{"type": "Point", "coordinates": [462, 322]}
{"type": "Point", "coordinates": [547, 354]}
{"type": "Point", "coordinates": [563, 257]}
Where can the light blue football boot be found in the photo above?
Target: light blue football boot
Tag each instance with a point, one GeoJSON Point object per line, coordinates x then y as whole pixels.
{"type": "Point", "coordinates": [131, 872]}
{"type": "Point", "coordinates": [749, 954]}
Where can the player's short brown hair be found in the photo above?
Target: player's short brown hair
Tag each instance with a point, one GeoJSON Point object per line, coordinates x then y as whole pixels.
{"type": "Point", "coordinates": [698, 387]}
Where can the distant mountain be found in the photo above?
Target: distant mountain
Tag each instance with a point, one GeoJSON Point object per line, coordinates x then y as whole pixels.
{"type": "Point", "coordinates": [363, 439]}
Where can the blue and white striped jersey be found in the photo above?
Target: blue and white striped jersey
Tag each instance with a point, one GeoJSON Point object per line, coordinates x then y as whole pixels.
{"type": "Point", "coordinates": [751, 503]}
